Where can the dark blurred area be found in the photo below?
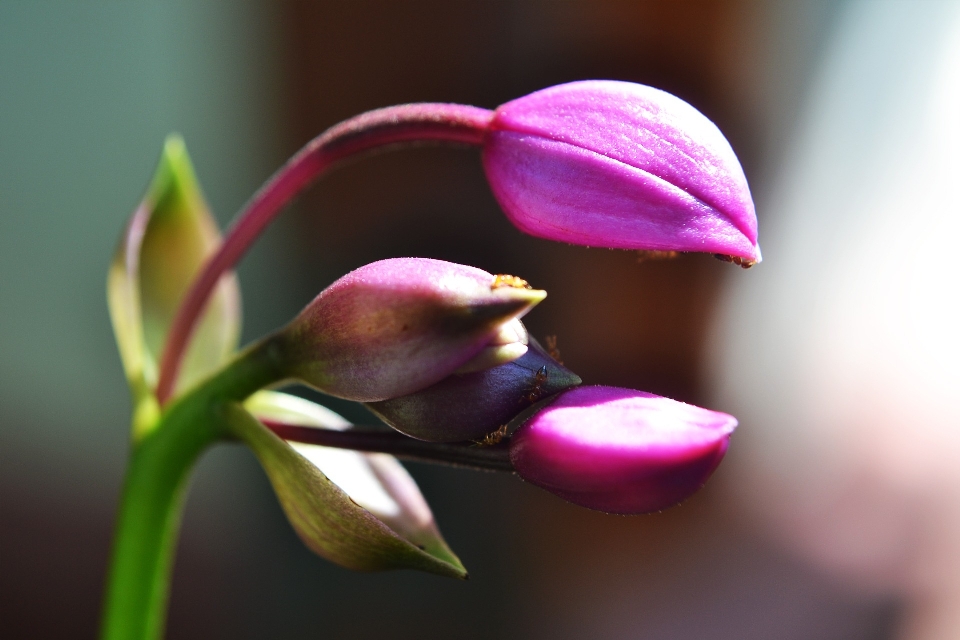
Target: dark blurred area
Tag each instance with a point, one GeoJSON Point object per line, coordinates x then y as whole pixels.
{"type": "Point", "coordinates": [86, 96]}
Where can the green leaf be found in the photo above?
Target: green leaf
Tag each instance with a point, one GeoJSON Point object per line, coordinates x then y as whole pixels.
{"type": "Point", "coordinates": [165, 243]}
{"type": "Point", "coordinates": [367, 515]}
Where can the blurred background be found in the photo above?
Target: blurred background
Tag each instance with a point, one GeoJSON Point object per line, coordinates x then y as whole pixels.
{"type": "Point", "coordinates": [839, 110]}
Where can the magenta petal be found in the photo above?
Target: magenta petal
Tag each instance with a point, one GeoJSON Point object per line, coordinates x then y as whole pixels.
{"type": "Point", "coordinates": [619, 450]}
{"type": "Point", "coordinates": [621, 165]}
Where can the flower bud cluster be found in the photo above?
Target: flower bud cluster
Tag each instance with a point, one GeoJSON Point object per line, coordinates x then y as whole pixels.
{"type": "Point", "coordinates": [438, 352]}
{"type": "Point", "coordinates": [435, 349]}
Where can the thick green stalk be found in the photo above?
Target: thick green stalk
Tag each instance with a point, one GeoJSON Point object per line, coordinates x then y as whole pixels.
{"type": "Point", "coordinates": [147, 526]}
{"type": "Point", "coordinates": [154, 490]}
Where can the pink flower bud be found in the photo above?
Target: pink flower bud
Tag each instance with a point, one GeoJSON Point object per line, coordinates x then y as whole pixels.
{"type": "Point", "coordinates": [619, 450]}
{"type": "Point", "coordinates": [621, 165]}
{"type": "Point", "coordinates": [397, 326]}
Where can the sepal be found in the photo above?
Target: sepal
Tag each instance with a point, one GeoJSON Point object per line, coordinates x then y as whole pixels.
{"type": "Point", "coordinates": [361, 511]}
{"type": "Point", "coordinates": [166, 241]}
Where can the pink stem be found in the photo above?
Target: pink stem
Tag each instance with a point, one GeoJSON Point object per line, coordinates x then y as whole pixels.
{"type": "Point", "coordinates": [409, 123]}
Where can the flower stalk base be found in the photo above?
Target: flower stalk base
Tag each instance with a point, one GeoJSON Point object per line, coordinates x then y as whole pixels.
{"type": "Point", "coordinates": [151, 503]}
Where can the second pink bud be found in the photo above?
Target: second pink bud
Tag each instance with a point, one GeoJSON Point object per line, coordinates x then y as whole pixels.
{"type": "Point", "coordinates": [396, 326]}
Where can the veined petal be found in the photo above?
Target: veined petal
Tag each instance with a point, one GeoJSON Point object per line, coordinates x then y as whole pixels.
{"type": "Point", "coordinates": [623, 165]}
{"type": "Point", "coordinates": [561, 192]}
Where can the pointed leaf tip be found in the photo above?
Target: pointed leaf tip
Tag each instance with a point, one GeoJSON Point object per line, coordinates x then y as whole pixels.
{"type": "Point", "coordinates": [361, 511]}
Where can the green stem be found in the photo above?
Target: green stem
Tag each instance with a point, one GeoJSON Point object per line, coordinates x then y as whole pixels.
{"type": "Point", "coordinates": [154, 490]}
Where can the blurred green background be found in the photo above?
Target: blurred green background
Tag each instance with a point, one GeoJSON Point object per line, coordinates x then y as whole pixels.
{"type": "Point", "coordinates": [87, 94]}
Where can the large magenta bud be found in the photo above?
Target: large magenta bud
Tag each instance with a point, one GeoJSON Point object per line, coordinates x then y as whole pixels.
{"type": "Point", "coordinates": [622, 165]}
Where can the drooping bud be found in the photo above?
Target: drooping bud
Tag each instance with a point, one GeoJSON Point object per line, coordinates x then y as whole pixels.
{"type": "Point", "coordinates": [620, 165]}
{"type": "Point", "coordinates": [619, 450]}
{"type": "Point", "coordinates": [472, 403]}
{"type": "Point", "coordinates": [396, 326]}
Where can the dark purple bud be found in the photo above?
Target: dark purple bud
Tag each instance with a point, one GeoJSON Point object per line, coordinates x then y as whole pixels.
{"type": "Point", "coordinates": [397, 326]}
{"type": "Point", "coordinates": [472, 405]}
{"type": "Point", "coordinates": [619, 450]}
{"type": "Point", "coordinates": [621, 165]}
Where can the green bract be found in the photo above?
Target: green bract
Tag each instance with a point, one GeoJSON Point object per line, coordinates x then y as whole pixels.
{"type": "Point", "coordinates": [164, 245]}
{"type": "Point", "coordinates": [372, 517]}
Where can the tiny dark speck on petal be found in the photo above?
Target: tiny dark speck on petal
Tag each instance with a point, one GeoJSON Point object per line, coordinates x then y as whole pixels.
{"type": "Point", "coordinates": [743, 262]}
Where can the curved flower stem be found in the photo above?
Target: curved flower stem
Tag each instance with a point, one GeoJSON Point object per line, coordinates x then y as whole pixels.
{"type": "Point", "coordinates": [462, 454]}
{"type": "Point", "coordinates": [154, 490]}
{"type": "Point", "coordinates": [412, 123]}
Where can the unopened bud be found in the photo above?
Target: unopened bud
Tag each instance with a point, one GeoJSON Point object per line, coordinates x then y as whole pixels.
{"type": "Point", "coordinates": [619, 450]}
{"type": "Point", "coordinates": [619, 165]}
{"type": "Point", "coordinates": [396, 326]}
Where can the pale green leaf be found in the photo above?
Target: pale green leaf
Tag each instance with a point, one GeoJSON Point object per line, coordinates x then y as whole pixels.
{"type": "Point", "coordinates": [164, 245]}
{"type": "Point", "coordinates": [123, 299]}
{"type": "Point", "coordinates": [362, 511]}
